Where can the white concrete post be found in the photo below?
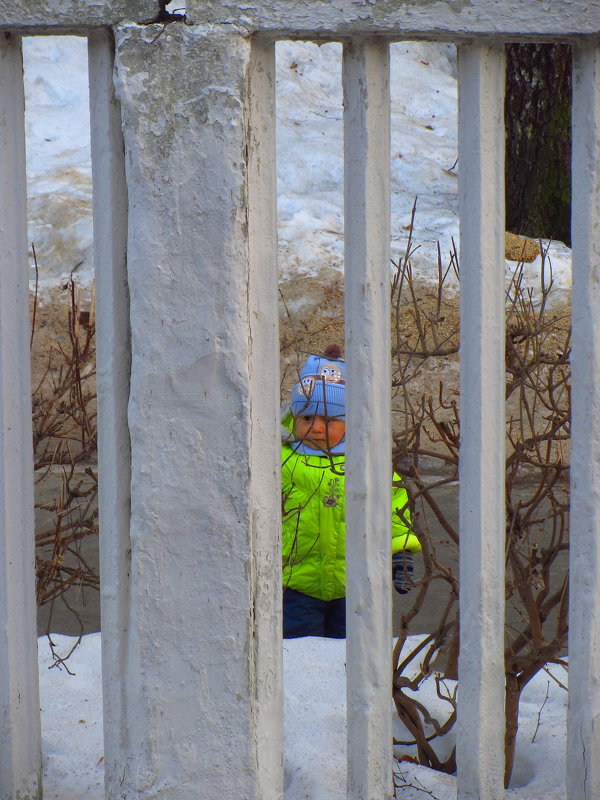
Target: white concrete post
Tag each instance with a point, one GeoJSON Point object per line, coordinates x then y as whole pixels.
{"type": "Point", "coordinates": [203, 641]}
{"type": "Point", "coordinates": [480, 738]}
{"type": "Point", "coordinates": [20, 738]}
{"type": "Point", "coordinates": [368, 455]}
{"type": "Point", "coordinates": [583, 751]}
{"type": "Point", "coordinates": [264, 454]}
{"type": "Point", "coordinates": [112, 371]}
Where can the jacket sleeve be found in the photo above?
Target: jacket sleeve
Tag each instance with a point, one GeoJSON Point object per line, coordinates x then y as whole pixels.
{"type": "Point", "coordinates": [402, 537]}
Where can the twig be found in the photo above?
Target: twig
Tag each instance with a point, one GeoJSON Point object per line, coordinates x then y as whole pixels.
{"type": "Point", "coordinates": [35, 296]}
{"type": "Point", "coordinates": [539, 715]}
{"type": "Point", "coordinates": [404, 783]}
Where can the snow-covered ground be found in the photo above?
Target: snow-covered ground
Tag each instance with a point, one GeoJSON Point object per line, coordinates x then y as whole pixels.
{"type": "Point", "coordinates": [314, 728]}
{"type": "Point", "coordinates": [310, 168]}
{"type": "Point", "coordinates": [309, 161]}
{"type": "Point", "coordinates": [57, 128]}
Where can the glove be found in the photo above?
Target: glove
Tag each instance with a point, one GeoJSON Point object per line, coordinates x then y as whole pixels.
{"type": "Point", "coordinates": [402, 569]}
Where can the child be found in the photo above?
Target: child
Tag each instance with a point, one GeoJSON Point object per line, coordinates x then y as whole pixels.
{"type": "Point", "coordinates": [313, 527]}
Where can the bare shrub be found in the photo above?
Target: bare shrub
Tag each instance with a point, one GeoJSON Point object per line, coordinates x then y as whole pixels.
{"type": "Point", "coordinates": [426, 441]}
{"type": "Point", "coordinates": [64, 441]}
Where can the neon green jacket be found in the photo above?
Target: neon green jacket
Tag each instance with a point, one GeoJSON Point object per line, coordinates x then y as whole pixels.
{"type": "Point", "coordinates": [313, 527]}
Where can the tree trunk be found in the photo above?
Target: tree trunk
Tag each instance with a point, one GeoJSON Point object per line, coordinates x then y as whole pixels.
{"type": "Point", "coordinates": [538, 140]}
{"type": "Point", "coordinates": [511, 711]}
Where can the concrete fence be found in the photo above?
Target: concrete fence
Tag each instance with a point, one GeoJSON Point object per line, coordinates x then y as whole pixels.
{"type": "Point", "coordinates": [183, 150]}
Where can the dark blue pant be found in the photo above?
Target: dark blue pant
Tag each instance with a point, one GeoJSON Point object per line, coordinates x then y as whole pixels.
{"type": "Point", "coordinates": [308, 616]}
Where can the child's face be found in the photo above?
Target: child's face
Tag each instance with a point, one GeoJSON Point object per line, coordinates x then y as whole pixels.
{"type": "Point", "coordinates": [318, 432]}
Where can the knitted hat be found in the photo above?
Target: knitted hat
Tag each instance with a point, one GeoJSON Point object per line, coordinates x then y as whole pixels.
{"type": "Point", "coordinates": [322, 386]}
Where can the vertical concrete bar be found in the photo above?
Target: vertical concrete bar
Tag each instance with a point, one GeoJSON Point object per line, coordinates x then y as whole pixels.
{"type": "Point", "coordinates": [583, 749]}
{"type": "Point", "coordinates": [20, 737]}
{"type": "Point", "coordinates": [368, 462]}
{"type": "Point", "coordinates": [203, 602]}
{"type": "Point", "coordinates": [481, 495]}
{"type": "Point", "coordinates": [112, 369]}
{"type": "Point", "coordinates": [264, 453]}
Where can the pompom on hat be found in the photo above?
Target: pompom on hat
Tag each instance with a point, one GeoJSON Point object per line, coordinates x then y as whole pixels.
{"type": "Point", "coordinates": [321, 386]}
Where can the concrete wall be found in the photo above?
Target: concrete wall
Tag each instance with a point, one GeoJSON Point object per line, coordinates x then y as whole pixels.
{"type": "Point", "coordinates": [449, 19]}
{"type": "Point", "coordinates": [195, 696]}
{"type": "Point", "coordinates": [184, 207]}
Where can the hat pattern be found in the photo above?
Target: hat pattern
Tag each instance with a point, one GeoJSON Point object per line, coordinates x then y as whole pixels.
{"type": "Point", "coordinates": [332, 372]}
{"type": "Point", "coordinates": [320, 389]}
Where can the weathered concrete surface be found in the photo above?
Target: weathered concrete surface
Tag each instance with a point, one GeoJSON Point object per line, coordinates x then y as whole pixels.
{"type": "Point", "coordinates": [25, 14]}
{"type": "Point", "coordinates": [20, 736]}
{"type": "Point", "coordinates": [190, 673]}
{"type": "Point", "coordinates": [368, 448]}
{"type": "Point", "coordinates": [583, 731]}
{"type": "Point", "coordinates": [480, 740]}
{"type": "Point", "coordinates": [452, 19]}
{"type": "Point", "coordinates": [113, 356]}
{"type": "Point", "coordinates": [449, 19]}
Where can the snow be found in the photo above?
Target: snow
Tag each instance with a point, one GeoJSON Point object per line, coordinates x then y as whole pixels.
{"type": "Point", "coordinates": [309, 162]}
{"type": "Point", "coordinates": [57, 130]}
{"type": "Point", "coordinates": [310, 207]}
{"type": "Point", "coordinates": [314, 727]}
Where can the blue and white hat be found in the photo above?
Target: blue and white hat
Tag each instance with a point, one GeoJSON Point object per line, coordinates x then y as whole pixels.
{"type": "Point", "coordinates": [321, 386]}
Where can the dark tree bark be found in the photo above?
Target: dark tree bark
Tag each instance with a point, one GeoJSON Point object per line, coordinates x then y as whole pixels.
{"type": "Point", "coordinates": [538, 140]}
